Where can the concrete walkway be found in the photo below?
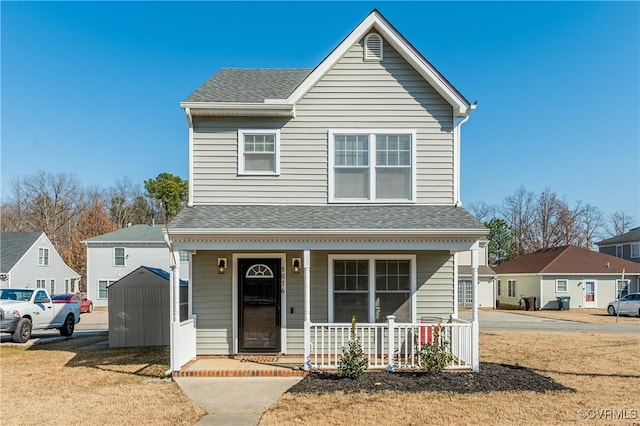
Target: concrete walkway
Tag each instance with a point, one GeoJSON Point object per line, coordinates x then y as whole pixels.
{"type": "Point", "coordinates": [234, 401]}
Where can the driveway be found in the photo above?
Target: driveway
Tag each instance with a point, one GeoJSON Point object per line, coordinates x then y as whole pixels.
{"type": "Point", "coordinates": [503, 320]}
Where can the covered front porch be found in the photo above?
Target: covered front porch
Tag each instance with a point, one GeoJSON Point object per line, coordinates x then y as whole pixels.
{"type": "Point", "coordinates": [293, 292]}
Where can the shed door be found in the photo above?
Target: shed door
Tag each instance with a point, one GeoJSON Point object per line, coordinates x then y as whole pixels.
{"type": "Point", "coordinates": [259, 305]}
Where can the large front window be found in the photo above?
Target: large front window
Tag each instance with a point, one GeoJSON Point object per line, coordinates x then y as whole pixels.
{"type": "Point", "coordinates": [371, 288]}
{"type": "Point", "coordinates": [371, 166]}
{"type": "Point", "coordinates": [258, 152]}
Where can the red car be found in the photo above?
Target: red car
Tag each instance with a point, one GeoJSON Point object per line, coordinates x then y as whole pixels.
{"type": "Point", "coordinates": [86, 305]}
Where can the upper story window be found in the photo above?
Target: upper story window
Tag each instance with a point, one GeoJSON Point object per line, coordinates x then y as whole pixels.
{"type": "Point", "coordinates": [373, 47]}
{"type": "Point", "coordinates": [258, 152]}
{"type": "Point", "coordinates": [368, 166]}
{"type": "Point", "coordinates": [119, 256]}
{"type": "Point", "coordinates": [43, 256]}
{"type": "Point", "coordinates": [619, 251]}
{"type": "Point", "coordinates": [635, 250]}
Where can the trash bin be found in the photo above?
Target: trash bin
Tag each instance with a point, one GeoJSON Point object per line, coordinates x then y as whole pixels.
{"type": "Point", "coordinates": [497, 304]}
{"type": "Point", "coordinates": [564, 303]}
{"type": "Point", "coordinates": [530, 303]}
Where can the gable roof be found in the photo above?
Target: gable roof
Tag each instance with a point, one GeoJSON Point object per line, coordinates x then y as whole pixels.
{"type": "Point", "coordinates": [567, 260]}
{"type": "Point", "coordinates": [249, 85]}
{"type": "Point", "coordinates": [632, 236]}
{"type": "Point", "coordinates": [13, 245]}
{"type": "Point", "coordinates": [131, 234]}
{"type": "Point", "coordinates": [214, 98]}
{"type": "Point", "coordinates": [156, 271]}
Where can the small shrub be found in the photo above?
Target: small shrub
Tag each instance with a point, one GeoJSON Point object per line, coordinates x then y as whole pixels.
{"type": "Point", "coordinates": [353, 361]}
{"type": "Point", "coordinates": [434, 357]}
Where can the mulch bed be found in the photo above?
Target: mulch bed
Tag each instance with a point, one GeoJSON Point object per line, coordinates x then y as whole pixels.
{"type": "Point", "coordinates": [490, 378]}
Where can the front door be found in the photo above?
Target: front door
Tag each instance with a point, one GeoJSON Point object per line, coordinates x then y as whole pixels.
{"type": "Point", "coordinates": [259, 305]}
{"type": "Point", "coordinates": [589, 294]}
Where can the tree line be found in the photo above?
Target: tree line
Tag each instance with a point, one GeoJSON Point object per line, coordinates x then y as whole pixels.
{"type": "Point", "coordinates": [526, 222]}
{"type": "Point", "coordinates": [68, 213]}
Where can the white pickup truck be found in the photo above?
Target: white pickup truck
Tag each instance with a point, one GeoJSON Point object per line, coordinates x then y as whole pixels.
{"type": "Point", "coordinates": [24, 309]}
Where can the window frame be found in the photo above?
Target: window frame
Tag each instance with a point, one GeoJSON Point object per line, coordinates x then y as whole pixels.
{"type": "Point", "coordinates": [241, 159]}
{"type": "Point", "coordinates": [635, 255]}
{"type": "Point", "coordinates": [621, 248]}
{"type": "Point", "coordinates": [43, 256]}
{"type": "Point", "coordinates": [124, 257]}
{"type": "Point", "coordinates": [499, 288]}
{"type": "Point", "coordinates": [106, 288]}
{"type": "Point", "coordinates": [566, 285]}
{"type": "Point", "coordinates": [511, 288]}
{"type": "Point", "coordinates": [371, 291]}
{"type": "Point", "coordinates": [622, 283]}
{"type": "Point", "coordinates": [372, 166]}
{"type": "Point", "coordinates": [41, 283]}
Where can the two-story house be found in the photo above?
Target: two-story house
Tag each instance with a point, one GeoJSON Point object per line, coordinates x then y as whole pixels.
{"type": "Point", "coordinates": [624, 246]}
{"type": "Point", "coordinates": [319, 194]}
{"type": "Point", "coordinates": [113, 255]}
{"type": "Point", "coordinates": [29, 259]}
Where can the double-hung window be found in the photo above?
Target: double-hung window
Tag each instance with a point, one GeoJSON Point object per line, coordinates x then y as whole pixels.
{"type": "Point", "coordinates": [635, 250]}
{"type": "Point", "coordinates": [41, 283]}
{"type": "Point", "coordinates": [119, 256]}
{"type": "Point", "coordinates": [511, 288]}
{"type": "Point", "coordinates": [499, 289]}
{"type": "Point", "coordinates": [619, 251]}
{"type": "Point", "coordinates": [562, 286]}
{"type": "Point", "coordinates": [102, 288]}
{"type": "Point", "coordinates": [368, 166]}
{"type": "Point", "coordinates": [258, 152]}
{"type": "Point", "coordinates": [43, 256]}
{"type": "Point", "coordinates": [371, 287]}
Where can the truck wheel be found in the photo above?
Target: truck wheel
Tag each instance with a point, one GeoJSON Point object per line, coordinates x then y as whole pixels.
{"type": "Point", "coordinates": [68, 326]}
{"type": "Point", "coordinates": [90, 308]}
{"type": "Point", "coordinates": [23, 331]}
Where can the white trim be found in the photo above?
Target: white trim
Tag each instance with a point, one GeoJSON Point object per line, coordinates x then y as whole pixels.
{"type": "Point", "coordinates": [241, 135]}
{"type": "Point", "coordinates": [372, 284]}
{"type": "Point", "coordinates": [593, 304]}
{"type": "Point", "coordinates": [371, 133]}
{"type": "Point", "coordinates": [365, 42]}
{"type": "Point", "coordinates": [566, 282]}
{"type": "Point", "coordinates": [455, 287]}
{"type": "Point", "coordinates": [631, 250]}
{"type": "Point", "coordinates": [240, 109]}
{"type": "Point", "coordinates": [283, 295]}
{"type": "Point", "coordinates": [376, 21]}
{"type": "Point", "coordinates": [191, 157]}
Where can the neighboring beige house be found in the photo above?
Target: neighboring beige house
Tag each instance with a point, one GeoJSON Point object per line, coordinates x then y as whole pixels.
{"type": "Point", "coordinates": [29, 259]}
{"type": "Point", "coordinates": [322, 193]}
{"type": "Point", "coordinates": [624, 246]}
{"type": "Point", "coordinates": [114, 255]}
{"type": "Point", "coordinates": [589, 278]}
{"type": "Point", "coordinates": [486, 280]}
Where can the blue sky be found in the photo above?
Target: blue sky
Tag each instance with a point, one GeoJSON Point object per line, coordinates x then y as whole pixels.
{"type": "Point", "coordinates": [93, 88]}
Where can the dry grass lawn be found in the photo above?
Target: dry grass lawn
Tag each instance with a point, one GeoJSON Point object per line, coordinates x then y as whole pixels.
{"type": "Point", "coordinates": [601, 369]}
{"type": "Point", "coordinates": [58, 383]}
{"type": "Point", "coordinates": [588, 315]}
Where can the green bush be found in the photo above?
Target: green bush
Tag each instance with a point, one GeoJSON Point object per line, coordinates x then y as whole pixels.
{"type": "Point", "coordinates": [434, 357]}
{"type": "Point", "coordinates": [353, 361]}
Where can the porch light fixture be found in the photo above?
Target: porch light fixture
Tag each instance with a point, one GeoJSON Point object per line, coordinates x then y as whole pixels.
{"type": "Point", "coordinates": [222, 265]}
{"type": "Point", "coordinates": [295, 264]}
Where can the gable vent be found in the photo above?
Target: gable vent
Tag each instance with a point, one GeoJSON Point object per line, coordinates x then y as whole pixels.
{"type": "Point", "coordinates": [373, 47]}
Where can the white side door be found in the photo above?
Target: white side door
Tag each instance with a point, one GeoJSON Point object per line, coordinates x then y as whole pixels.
{"type": "Point", "coordinates": [589, 294]}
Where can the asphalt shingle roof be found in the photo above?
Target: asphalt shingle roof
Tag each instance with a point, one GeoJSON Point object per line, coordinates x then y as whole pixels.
{"type": "Point", "coordinates": [627, 237]}
{"type": "Point", "coordinates": [567, 259]}
{"type": "Point", "coordinates": [325, 217]}
{"type": "Point", "coordinates": [249, 85]}
{"type": "Point", "coordinates": [13, 245]}
{"type": "Point", "coordinates": [134, 233]}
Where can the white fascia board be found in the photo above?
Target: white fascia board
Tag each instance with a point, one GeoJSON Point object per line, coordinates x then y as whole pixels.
{"type": "Point", "coordinates": [471, 234]}
{"type": "Point", "coordinates": [375, 21]}
{"type": "Point", "coordinates": [239, 109]}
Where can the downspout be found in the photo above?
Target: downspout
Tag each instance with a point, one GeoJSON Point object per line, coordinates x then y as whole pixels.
{"type": "Point", "coordinates": [190, 123]}
{"type": "Point", "coordinates": [456, 155]}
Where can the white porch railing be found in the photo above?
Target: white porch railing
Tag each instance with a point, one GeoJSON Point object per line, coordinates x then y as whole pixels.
{"type": "Point", "coordinates": [184, 342]}
{"type": "Point", "coordinates": [396, 341]}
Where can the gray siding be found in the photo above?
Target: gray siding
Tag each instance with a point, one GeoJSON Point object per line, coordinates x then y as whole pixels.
{"type": "Point", "coordinates": [353, 94]}
{"type": "Point", "coordinates": [434, 293]}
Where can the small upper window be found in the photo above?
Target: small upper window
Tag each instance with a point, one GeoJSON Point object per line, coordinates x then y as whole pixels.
{"type": "Point", "coordinates": [119, 256]}
{"type": "Point", "coordinates": [635, 250]}
{"type": "Point", "coordinates": [619, 251]}
{"type": "Point", "coordinates": [373, 47]}
{"type": "Point", "coordinates": [258, 152]}
{"type": "Point", "coordinates": [43, 256]}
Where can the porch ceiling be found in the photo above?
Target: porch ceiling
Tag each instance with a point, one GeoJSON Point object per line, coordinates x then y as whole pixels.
{"type": "Point", "coordinates": [448, 226]}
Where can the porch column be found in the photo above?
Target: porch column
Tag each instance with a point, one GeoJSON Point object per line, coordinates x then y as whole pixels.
{"type": "Point", "coordinates": [306, 266]}
{"type": "Point", "coordinates": [175, 281]}
{"type": "Point", "coordinates": [475, 346]}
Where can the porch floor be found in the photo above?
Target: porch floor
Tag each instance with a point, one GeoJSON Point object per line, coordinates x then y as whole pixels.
{"type": "Point", "coordinates": [243, 366]}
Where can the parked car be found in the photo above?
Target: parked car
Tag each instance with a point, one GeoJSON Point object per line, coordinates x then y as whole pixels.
{"type": "Point", "coordinates": [86, 305]}
{"type": "Point", "coordinates": [627, 305]}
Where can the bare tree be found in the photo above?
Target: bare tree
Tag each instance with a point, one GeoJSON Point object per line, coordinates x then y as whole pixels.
{"type": "Point", "coordinates": [591, 221]}
{"type": "Point", "coordinates": [482, 211]}
{"type": "Point", "coordinates": [124, 203]}
{"type": "Point", "coordinates": [619, 223]}
{"type": "Point", "coordinates": [517, 210]}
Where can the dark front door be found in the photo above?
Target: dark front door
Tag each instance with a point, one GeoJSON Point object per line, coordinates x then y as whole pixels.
{"type": "Point", "coordinates": [259, 311]}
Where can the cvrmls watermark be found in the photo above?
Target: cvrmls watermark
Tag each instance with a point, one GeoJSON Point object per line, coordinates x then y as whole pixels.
{"type": "Point", "coordinates": [608, 414]}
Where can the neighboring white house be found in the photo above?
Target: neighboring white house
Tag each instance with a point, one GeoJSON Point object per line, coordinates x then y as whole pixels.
{"type": "Point", "coordinates": [30, 260]}
{"type": "Point", "coordinates": [113, 255]}
{"type": "Point", "coordinates": [590, 279]}
{"type": "Point", "coordinates": [486, 280]}
{"type": "Point", "coordinates": [322, 193]}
